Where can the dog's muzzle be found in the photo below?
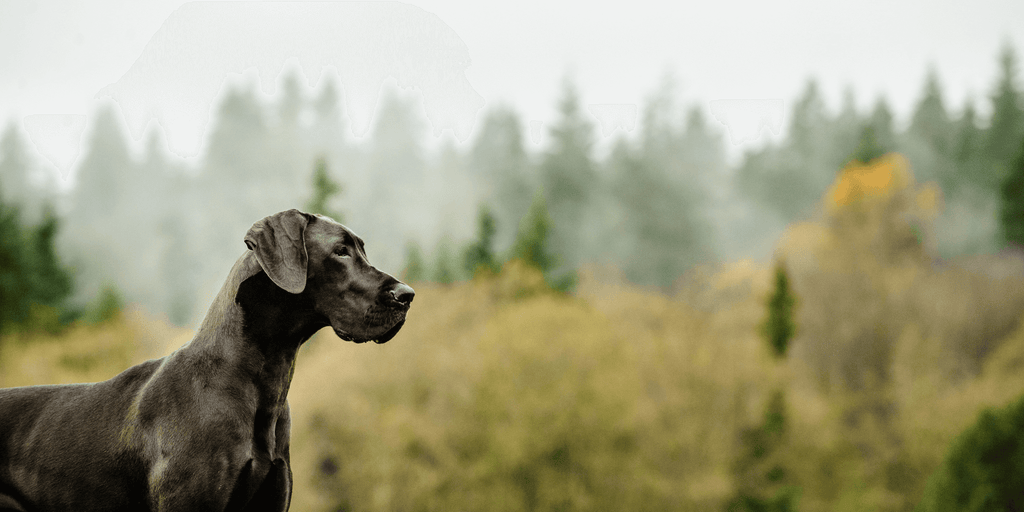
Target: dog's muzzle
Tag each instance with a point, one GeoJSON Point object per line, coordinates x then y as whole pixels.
{"type": "Point", "coordinates": [386, 319]}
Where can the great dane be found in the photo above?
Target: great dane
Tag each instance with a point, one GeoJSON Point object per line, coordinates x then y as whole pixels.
{"type": "Point", "coordinates": [205, 428]}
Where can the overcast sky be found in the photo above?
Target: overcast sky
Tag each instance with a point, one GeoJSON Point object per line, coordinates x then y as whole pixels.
{"type": "Point", "coordinates": [59, 55]}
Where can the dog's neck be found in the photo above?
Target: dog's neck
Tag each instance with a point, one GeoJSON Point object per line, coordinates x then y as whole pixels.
{"type": "Point", "coordinates": [257, 328]}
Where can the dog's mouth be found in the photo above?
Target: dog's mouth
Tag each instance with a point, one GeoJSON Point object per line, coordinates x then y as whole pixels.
{"type": "Point", "coordinates": [390, 320]}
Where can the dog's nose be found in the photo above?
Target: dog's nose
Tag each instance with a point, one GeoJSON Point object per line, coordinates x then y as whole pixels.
{"type": "Point", "coordinates": [403, 293]}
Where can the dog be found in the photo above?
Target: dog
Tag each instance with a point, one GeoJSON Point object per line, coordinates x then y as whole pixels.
{"type": "Point", "coordinates": [205, 428]}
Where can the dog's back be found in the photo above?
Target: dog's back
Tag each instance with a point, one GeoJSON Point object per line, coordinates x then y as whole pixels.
{"type": "Point", "coordinates": [43, 425]}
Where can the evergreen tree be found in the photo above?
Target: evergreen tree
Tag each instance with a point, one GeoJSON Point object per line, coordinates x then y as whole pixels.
{"type": "Point", "coordinates": [881, 121]}
{"type": "Point", "coordinates": [324, 190]}
{"type": "Point", "coordinates": [762, 474]}
{"type": "Point", "coordinates": [984, 468]}
{"type": "Point", "coordinates": [807, 123]}
{"type": "Point", "coordinates": [660, 190]}
{"type": "Point", "coordinates": [1012, 205]}
{"type": "Point", "coordinates": [967, 152]}
{"type": "Point", "coordinates": [1006, 128]}
{"type": "Point", "coordinates": [532, 241]}
{"type": "Point", "coordinates": [414, 269]}
{"type": "Point", "coordinates": [105, 175]}
{"type": "Point", "coordinates": [569, 181]}
{"type": "Point", "coordinates": [927, 140]}
{"type": "Point", "coordinates": [778, 327]}
{"type": "Point", "coordinates": [789, 180]}
{"type": "Point", "coordinates": [396, 165]}
{"type": "Point", "coordinates": [930, 122]}
{"type": "Point", "coordinates": [34, 285]}
{"type": "Point", "coordinates": [16, 169]}
{"type": "Point", "coordinates": [445, 271]}
{"type": "Point", "coordinates": [14, 287]}
{"type": "Point", "coordinates": [847, 130]}
{"type": "Point", "coordinates": [479, 256]}
{"type": "Point", "coordinates": [499, 162]}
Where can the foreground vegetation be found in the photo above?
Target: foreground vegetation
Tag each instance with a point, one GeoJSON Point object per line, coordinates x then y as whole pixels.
{"type": "Point", "coordinates": [502, 393]}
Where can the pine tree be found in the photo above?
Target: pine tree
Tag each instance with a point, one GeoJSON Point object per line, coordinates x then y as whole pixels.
{"type": "Point", "coordinates": [1006, 128]}
{"type": "Point", "coordinates": [808, 122]}
{"type": "Point", "coordinates": [34, 285]}
{"type": "Point", "coordinates": [967, 152]}
{"type": "Point", "coordinates": [324, 190]}
{"type": "Point", "coordinates": [15, 165]}
{"type": "Point", "coordinates": [660, 185]}
{"type": "Point", "coordinates": [414, 269]}
{"type": "Point", "coordinates": [984, 468]}
{"type": "Point", "coordinates": [1011, 215]}
{"type": "Point", "coordinates": [762, 475]}
{"type": "Point", "coordinates": [14, 287]}
{"type": "Point", "coordinates": [445, 271]}
{"type": "Point", "coordinates": [531, 244]}
{"type": "Point", "coordinates": [930, 121]}
{"type": "Point", "coordinates": [479, 256]}
{"type": "Point", "coordinates": [778, 327]}
{"type": "Point", "coordinates": [569, 181]}
{"type": "Point", "coordinates": [499, 162]}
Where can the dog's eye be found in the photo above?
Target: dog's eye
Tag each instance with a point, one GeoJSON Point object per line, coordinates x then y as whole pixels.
{"type": "Point", "coordinates": [342, 252]}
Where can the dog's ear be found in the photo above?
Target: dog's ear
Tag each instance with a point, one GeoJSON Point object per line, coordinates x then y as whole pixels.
{"type": "Point", "coordinates": [280, 248]}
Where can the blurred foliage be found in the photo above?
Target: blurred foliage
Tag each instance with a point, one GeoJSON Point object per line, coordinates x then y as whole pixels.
{"type": "Point", "coordinates": [778, 327]}
{"type": "Point", "coordinates": [324, 191]}
{"type": "Point", "coordinates": [984, 470]}
{"type": "Point", "coordinates": [414, 270]}
{"type": "Point", "coordinates": [499, 394]}
{"type": "Point", "coordinates": [34, 284]}
{"type": "Point", "coordinates": [106, 307]}
{"type": "Point", "coordinates": [446, 266]}
{"type": "Point", "coordinates": [1012, 202]}
{"type": "Point", "coordinates": [479, 256]}
{"type": "Point", "coordinates": [650, 385]}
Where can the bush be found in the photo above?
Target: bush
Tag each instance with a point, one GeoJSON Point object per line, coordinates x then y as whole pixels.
{"type": "Point", "coordinates": [984, 470]}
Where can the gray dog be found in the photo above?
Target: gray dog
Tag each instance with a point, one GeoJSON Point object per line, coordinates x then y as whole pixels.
{"type": "Point", "coordinates": [207, 427]}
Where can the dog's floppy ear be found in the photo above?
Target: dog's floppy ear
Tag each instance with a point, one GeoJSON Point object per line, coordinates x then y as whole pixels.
{"type": "Point", "coordinates": [280, 248]}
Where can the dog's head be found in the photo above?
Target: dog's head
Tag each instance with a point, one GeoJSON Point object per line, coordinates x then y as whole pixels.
{"type": "Point", "coordinates": [315, 256]}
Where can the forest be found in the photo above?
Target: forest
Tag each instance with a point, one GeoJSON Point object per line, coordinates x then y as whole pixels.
{"type": "Point", "coordinates": [830, 321]}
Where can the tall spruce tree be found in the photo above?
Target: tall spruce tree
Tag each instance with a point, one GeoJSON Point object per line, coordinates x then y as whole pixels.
{"type": "Point", "coordinates": [1011, 215]}
{"type": "Point", "coordinates": [569, 181]}
{"type": "Point", "coordinates": [324, 191]}
{"type": "Point", "coordinates": [927, 140]}
{"type": "Point", "coordinates": [500, 165]}
{"type": "Point", "coordinates": [479, 256]}
{"type": "Point", "coordinates": [1006, 128]}
{"type": "Point", "coordinates": [532, 241]}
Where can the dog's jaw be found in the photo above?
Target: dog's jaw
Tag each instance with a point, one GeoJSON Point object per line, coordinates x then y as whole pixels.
{"type": "Point", "coordinates": [391, 327]}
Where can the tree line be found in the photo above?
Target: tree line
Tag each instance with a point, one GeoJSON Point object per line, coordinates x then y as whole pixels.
{"type": "Point", "coordinates": [163, 231]}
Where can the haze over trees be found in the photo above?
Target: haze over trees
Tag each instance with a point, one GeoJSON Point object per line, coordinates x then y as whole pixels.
{"type": "Point", "coordinates": [631, 321]}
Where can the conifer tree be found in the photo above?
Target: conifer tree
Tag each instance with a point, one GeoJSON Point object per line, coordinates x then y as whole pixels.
{"type": "Point", "coordinates": [531, 244]}
{"type": "Point", "coordinates": [324, 190]}
{"type": "Point", "coordinates": [984, 468]}
{"type": "Point", "coordinates": [479, 256]}
{"type": "Point", "coordinates": [414, 268]}
{"type": "Point", "coordinates": [499, 163]}
{"type": "Point", "coordinates": [569, 180]}
{"type": "Point", "coordinates": [763, 480]}
{"type": "Point", "coordinates": [1011, 215]}
{"type": "Point", "coordinates": [1006, 128]}
{"type": "Point", "coordinates": [445, 271]}
{"type": "Point", "coordinates": [778, 328]}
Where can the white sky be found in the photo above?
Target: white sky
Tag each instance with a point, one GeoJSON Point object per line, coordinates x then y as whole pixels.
{"type": "Point", "coordinates": [57, 55]}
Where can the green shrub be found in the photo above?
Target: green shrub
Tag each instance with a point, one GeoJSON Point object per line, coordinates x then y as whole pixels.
{"type": "Point", "coordinates": [984, 469]}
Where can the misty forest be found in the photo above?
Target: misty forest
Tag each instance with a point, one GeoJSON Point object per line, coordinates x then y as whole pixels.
{"type": "Point", "coordinates": [828, 322]}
